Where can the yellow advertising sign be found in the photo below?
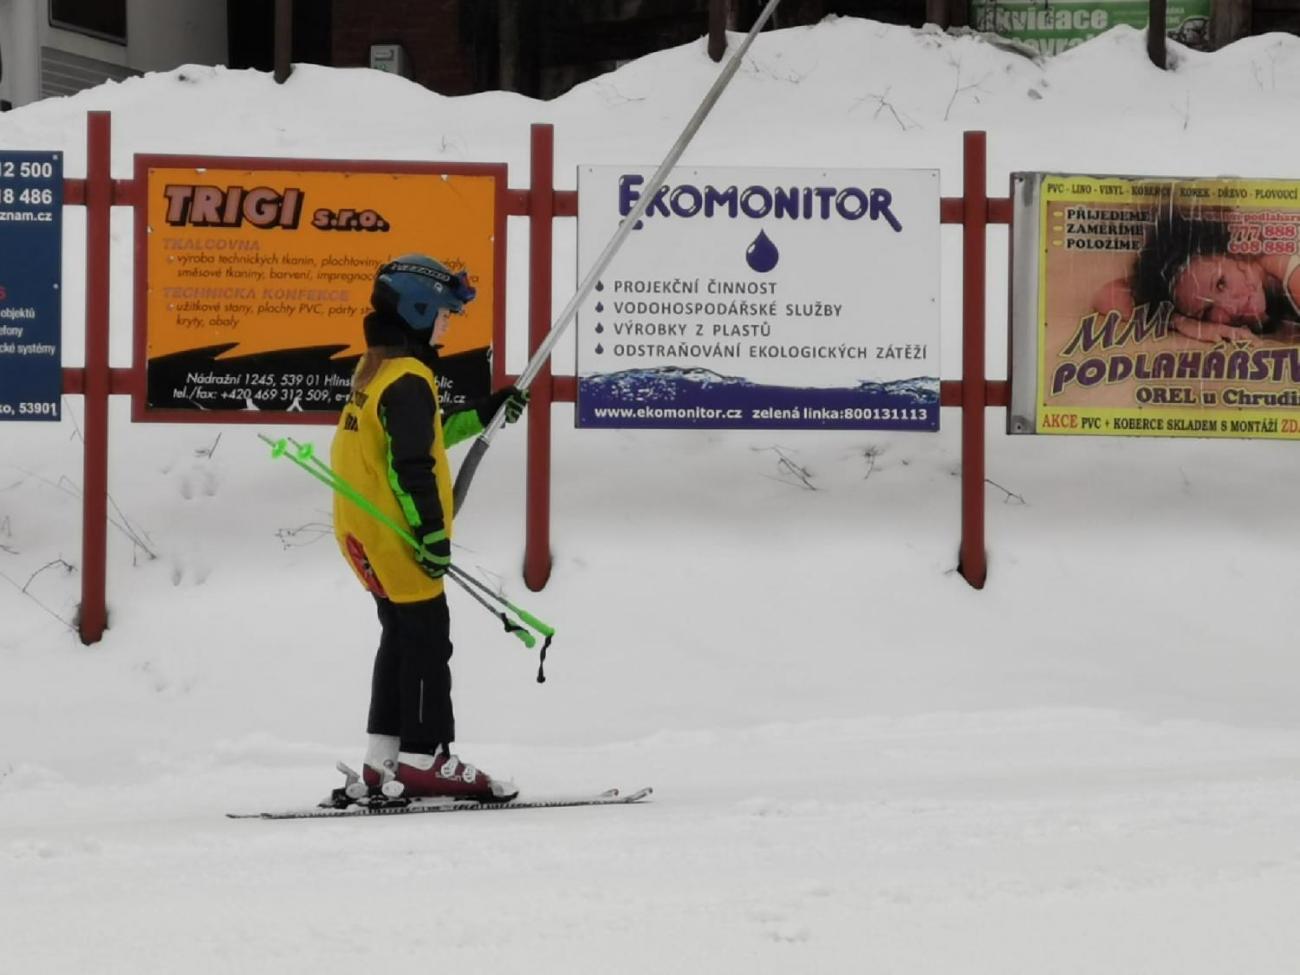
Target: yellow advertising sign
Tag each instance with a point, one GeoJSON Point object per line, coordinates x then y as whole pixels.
{"type": "Point", "coordinates": [1168, 307]}
{"type": "Point", "coordinates": [259, 277]}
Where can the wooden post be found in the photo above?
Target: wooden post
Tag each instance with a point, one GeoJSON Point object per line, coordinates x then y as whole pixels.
{"type": "Point", "coordinates": [507, 45]}
{"type": "Point", "coordinates": [1156, 48]}
{"type": "Point", "coordinates": [717, 29]}
{"type": "Point", "coordinates": [283, 40]}
{"type": "Point", "coordinates": [937, 12]}
{"type": "Point", "coordinates": [92, 619]}
{"type": "Point", "coordinates": [1229, 21]}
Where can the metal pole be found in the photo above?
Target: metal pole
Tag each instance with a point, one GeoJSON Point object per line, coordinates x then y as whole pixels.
{"type": "Point", "coordinates": [476, 452]}
{"type": "Point", "coordinates": [973, 562]}
{"type": "Point", "coordinates": [541, 220]}
{"type": "Point", "coordinates": [93, 616]}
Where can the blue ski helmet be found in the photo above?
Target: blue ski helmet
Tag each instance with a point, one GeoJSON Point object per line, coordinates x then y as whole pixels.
{"type": "Point", "coordinates": [415, 288]}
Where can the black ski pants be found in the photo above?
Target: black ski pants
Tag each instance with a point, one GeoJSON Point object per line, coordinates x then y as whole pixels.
{"type": "Point", "coordinates": [410, 692]}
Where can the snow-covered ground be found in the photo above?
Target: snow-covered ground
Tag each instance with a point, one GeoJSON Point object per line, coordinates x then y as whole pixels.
{"type": "Point", "coordinates": [860, 763]}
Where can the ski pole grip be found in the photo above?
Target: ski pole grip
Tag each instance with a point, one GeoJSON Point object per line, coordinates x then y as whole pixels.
{"type": "Point", "coordinates": [465, 476]}
{"type": "Point", "coordinates": [278, 447]}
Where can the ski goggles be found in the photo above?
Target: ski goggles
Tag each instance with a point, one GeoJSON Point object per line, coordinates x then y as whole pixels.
{"type": "Point", "coordinates": [456, 283]}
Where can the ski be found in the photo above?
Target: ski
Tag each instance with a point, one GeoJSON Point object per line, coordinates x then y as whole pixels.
{"type": "Point", "coordinates": [398, 807]}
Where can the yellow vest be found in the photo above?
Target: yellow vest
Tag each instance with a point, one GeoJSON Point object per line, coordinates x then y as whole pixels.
{"type": "Point", "coordinates": [359, 455]}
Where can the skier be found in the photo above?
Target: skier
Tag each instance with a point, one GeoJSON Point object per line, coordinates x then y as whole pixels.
{"type": "Point", "coordinates": [391, 444]}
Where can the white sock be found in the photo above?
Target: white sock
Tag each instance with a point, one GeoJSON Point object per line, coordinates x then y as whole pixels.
{"type": "Point", "coordinates": [382, 749]}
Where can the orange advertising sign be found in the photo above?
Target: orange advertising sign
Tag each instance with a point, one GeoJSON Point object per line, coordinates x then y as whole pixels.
{"type": "Point", "coordinates": [258, 274]}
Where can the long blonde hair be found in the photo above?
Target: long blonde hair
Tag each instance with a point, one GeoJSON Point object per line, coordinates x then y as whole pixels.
{"type": "Point", "coordinates": [370, 362]}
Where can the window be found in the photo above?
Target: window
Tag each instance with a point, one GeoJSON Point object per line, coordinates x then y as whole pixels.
{"type": "Point", "coordinates": [102, 18]}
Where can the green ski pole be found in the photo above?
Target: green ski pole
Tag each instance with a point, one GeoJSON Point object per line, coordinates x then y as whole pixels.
{"type": "Point", "coordinates": [304, 456]}
{"type": "Point", "coordinates": [548, 632]}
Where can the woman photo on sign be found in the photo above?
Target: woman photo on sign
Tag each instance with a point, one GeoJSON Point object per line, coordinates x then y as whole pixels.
{"type": "Point", "coordinates": [1215, 294]}
{"type": "Point", "coordinates": [391, 445]}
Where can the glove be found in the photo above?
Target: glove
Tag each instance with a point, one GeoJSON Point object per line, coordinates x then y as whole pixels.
{"type": "Point", "coordinates": [434, 554]}
{"type": "Point", "coordinates": [514, 400]}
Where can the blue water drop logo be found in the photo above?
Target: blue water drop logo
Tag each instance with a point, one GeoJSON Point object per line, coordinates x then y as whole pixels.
{"type": "Point", "coordinates": [599, 348]}
{"type": "Point", "coordinates": [599, 306]}
{"type": "Point", "coordinates": [762, 254]}
{"type": "Point", "coordinates": [600, 285]}
{"type": "Point", "coordinates": [599, 327]}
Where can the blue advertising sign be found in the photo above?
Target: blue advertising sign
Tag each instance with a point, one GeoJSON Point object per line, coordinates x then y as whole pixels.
{"type": "Point", "coordinates": [31, 267]}
{"type": "Point", "coordinates": [757, 298]}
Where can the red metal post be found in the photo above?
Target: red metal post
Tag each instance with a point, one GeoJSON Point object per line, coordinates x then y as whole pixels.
{"type": "Point", "coordinates": [973, 563]}
{"type": "Point", "coordinates": [93, 617]}
{"type": "Point", "coordinates": [541, 217]}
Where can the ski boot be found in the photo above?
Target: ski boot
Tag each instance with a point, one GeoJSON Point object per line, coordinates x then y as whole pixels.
{"type": "Point", "coordinates": [444, 776]}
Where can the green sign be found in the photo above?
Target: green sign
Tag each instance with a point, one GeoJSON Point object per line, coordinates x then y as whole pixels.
{"type": "Point", "coordinates": [1050, 27]}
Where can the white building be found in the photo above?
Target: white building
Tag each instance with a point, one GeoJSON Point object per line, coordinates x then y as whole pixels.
{"type": "Point", "coordinates": [59, 47]}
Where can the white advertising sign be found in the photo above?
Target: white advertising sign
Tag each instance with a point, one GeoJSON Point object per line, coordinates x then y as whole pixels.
{"type": "Point", "coordinates": [762, 298]}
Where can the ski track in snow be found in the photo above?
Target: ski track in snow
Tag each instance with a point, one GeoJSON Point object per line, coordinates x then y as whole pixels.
{"type": "Point", "coordinates": [989, 843]}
